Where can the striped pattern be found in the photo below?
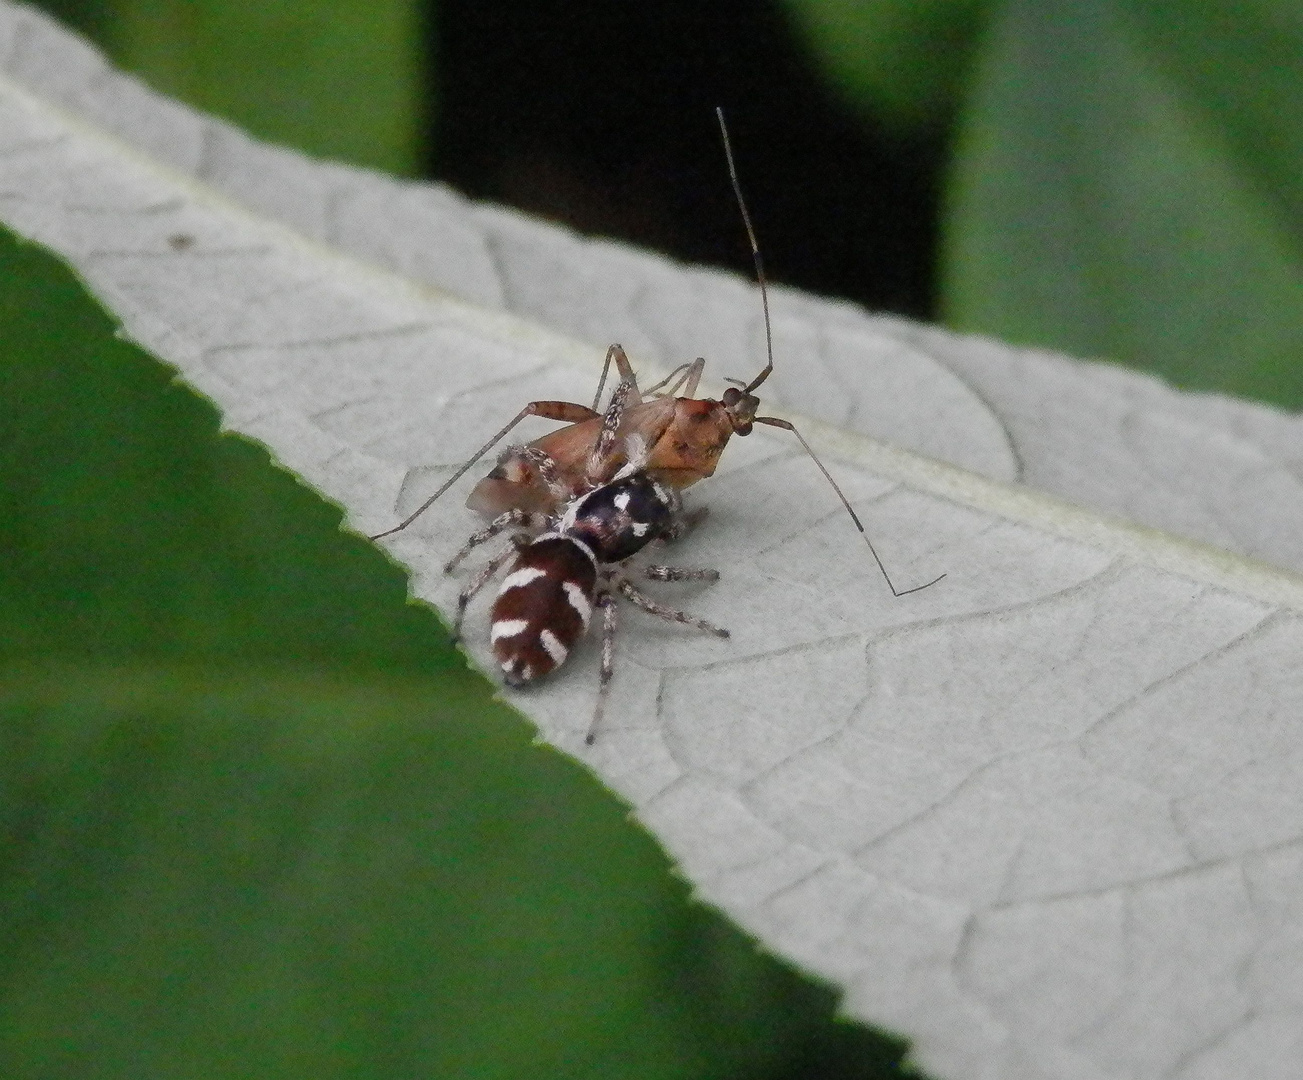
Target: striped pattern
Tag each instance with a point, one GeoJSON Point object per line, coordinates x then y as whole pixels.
{"type": "Point", "coordinates": [543, 607]}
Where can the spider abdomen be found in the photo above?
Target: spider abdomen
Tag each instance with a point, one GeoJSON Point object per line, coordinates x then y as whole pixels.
{"type": "Point", "coordinates": [543, 607]}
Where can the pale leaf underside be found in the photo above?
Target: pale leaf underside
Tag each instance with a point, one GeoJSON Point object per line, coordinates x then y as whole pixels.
{"type": "Point", "coordinates": [1044, 818]}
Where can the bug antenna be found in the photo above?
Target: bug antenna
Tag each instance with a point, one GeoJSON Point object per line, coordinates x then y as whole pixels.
{"type": "Point", "coordinates": [755, 252]}
{"type": "Point", "coordinates": [773, 421]}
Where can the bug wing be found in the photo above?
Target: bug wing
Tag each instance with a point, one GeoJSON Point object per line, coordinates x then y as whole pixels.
{"type": "Point", "coordinates": [495, 495]}
{"type": "Point", "coordinates": [646, 422]}
{"type": "Point", "coordinates": [516, 485]}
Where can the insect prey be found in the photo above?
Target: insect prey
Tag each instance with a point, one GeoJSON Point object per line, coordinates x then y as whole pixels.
{"type": "Point", "coordinates": [683, 436]}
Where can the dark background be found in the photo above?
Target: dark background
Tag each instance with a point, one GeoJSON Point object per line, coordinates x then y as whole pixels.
{"type": "Point", "coordinates": [600, 115]}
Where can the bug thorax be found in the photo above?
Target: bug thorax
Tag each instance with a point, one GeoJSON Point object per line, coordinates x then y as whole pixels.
{"type": "Point", "coordinates": [619, 519]}
{"type": "Point", "coordinates": [741, 408]}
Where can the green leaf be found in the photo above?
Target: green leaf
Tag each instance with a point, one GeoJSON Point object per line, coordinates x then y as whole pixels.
{"type": "Point", "coordinates": [1101, 204]}
{"type": "Point", "coordinates": [215, 874]}
{"type": "Point", "coordinates": [338, 78]}
{"type": "Point", "coordinates": [1239, 65]}
{"type": "Point", "coordinates": [257, 817]}
{"type": "Point", "coordinates": [900, 60]}
{"type": "Point", "coordinates": [131, 529]}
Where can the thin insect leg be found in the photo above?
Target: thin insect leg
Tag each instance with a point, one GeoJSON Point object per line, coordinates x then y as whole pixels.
{"type": "Point", "coordinates": [604, 447]}
{"type": "Point", "coordinates": [609, 620]}
{"type": "Point", "coordinates": [622, 367]}
{"type": "Point", "coordinates": [601, 383]}
{"type": "Point", "coordinates": [773, 421]}
{"type": "Point", "coordinates": [694, 376]}
{"type": "Point", "coordinates": [511, 519]}
{"type": "Point", "coordinates": [630, 592]}
{"type": "Point", "coordinates": [685, 377]}
{"type": "Point", "coordinates": [565, 411]}
{"type": "Point", "coordinates": [656, 572]}
{"type": "Point", "coordinates": [478, 582]}
{"type": "Point", "coordinates": [669, 386]}
{"type": "Point", "coordinates": [676, 374]}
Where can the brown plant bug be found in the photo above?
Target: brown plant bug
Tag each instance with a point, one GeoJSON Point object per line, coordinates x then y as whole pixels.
{"type": "Point", "coordinates": [684, 436]}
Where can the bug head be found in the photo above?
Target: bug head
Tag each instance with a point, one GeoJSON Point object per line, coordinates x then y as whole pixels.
{"type": "Point", "coordinates": [741, 406]}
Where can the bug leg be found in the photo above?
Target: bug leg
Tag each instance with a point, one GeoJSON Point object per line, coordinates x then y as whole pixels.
{"type": "Point", "coordinates": [601, 383]}
{"type": "Point", "coordinates": [676, 377]}
{"type": "Point", "coordinates": [679, 573]}
{"type": "Point", "coordinates": [650, 606]}
{"type": "Point", "coordinates": [563, 411]}
{"type": "Point", "coordinates": [609, 619]}
{"type": "Point", "coordinates": [478, 582]}
{"type": "Point", "coordinates": [623, 367]}
{"type": "Point", "coordinates": [693, 377]}
{"type": "Point", "coordinates": [511, 519]}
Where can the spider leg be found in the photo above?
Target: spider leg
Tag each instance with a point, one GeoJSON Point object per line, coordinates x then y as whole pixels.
{"type": "Point", "coordinates": [478, 582]}
{"type": "Point", "coordinates": [547, 470]}
{"type": "Point", "coordinates": [605, 445]}
{"type": "Point", "coordinates": [652, 607]}
{"type": "Point", "coordinates": [511, 519]}
{"type": "Point", "coordinates": [684, 523]}
{"type": "Point", "coordinates": [610, 619]}
{"type": "Point", "coordinates": [679, 573]}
